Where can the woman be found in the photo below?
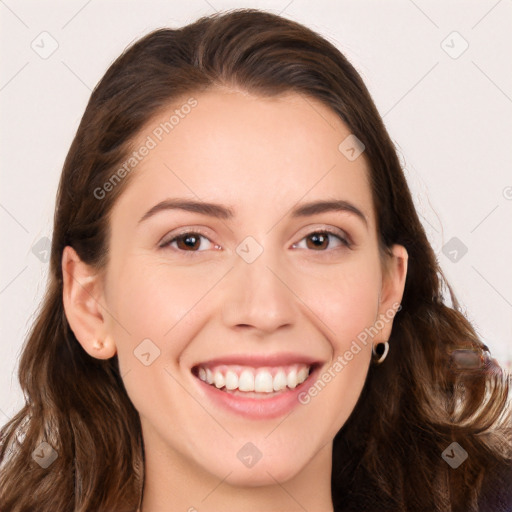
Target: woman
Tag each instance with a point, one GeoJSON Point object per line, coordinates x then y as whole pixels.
{"type": "Point", "coordinates": [243, 310]}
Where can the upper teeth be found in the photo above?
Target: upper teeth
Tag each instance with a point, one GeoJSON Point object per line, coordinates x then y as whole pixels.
{"type": "Point", "coordinates": [245, 378]}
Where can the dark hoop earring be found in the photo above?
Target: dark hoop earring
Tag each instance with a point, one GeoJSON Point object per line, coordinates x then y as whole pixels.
{"type": "Point", "coordinates": [380, 351]}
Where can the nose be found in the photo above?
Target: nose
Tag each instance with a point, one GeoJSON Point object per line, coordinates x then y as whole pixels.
{"type": "Point", "coordinates": [258, 296]}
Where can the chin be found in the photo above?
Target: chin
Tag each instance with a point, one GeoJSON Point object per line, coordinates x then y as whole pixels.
{"type": "Point", "coordinates": [260, 476]}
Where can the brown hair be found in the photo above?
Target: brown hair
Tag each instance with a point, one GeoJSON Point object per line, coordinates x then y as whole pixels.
{"type": "Point", "coordinates": [387, 456]}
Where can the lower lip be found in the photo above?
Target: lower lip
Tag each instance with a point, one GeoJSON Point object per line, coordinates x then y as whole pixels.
{"type": "Point", "coordinates": [257, 408]}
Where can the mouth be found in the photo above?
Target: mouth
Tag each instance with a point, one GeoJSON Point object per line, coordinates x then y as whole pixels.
{"type": "Point", "coordinates": [255, 389]}
{"type": "Point", "coordinates": [250, 381]}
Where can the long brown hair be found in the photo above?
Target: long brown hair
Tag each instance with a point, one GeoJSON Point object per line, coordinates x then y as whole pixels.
{"type": "Point", "coordinates": [387, 456]}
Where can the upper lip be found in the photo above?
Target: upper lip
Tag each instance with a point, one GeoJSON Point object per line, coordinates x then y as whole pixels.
{"type": "Point", "coordinates": [260, 360]}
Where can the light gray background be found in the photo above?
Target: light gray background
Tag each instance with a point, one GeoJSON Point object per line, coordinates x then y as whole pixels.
{"type": "Point", "coordinates": [449, 117]}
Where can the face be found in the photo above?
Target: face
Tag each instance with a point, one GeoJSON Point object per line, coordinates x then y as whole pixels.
{"type": "Point", "coordinates": [262, 297]}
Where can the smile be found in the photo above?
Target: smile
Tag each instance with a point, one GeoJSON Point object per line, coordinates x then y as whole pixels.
{"type": "Point", "coordinates": [260, 380]}
{"type": "Point", "coordinates": [254, 387]}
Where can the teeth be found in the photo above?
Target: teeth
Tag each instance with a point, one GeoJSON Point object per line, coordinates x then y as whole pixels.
{"type": "Point", "coordinates": [279, 380]}
{"type": "Point", "coordinates": [260, 380]}
{"type": "Point", "coordinates": [291, 379]}
{"type": "Point", "coordinates": [231, 380]}
{"type": "Point", "coordinates": [246, 381]}
{"type": "Point", "coordinates": [218, 379]}
{"type": "Point", "coordinates": [302, 374]}
{"type": "Point", "coordinates": [263, 382]}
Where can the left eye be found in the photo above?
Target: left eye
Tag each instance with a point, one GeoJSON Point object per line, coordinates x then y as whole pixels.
{"type": "Point", "coordinates": [186, 241]}
{"type": "Point", "coordinates": [319, 238]}
{"type": "Point", "coordinates": [191, 241]}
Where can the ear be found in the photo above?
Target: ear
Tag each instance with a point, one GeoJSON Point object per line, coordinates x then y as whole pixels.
{"type": "Point", "coordinates": [82, 296]}
{"type": "Point", "coordinates": [392, 290]}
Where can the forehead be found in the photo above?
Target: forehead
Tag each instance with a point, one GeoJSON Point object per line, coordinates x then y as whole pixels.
{"type": "Point", "coordinates": [246, 151]}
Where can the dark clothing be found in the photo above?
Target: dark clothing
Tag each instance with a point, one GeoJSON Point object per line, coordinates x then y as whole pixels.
{"type": "Point", "coordinates": [496, 495]}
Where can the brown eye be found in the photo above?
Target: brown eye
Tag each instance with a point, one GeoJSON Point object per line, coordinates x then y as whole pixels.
{"type": "Point", "coordinates": [321, 240]}
{"type": "Point", "coordinates": [186, 242]}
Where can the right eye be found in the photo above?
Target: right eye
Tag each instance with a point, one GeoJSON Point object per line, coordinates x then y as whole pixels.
{"type": "Point", "coordinates": [187, 241]}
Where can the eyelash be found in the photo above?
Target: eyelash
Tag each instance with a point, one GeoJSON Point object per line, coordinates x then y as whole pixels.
{"type": "Point", "coordinates": [326, 231]}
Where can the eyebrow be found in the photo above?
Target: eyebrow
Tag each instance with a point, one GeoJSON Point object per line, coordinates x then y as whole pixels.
{"type": "Point", "coordinates": [224, 212]}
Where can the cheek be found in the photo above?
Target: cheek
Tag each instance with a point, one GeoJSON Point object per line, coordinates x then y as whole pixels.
{"type": "Point", "coordinates": [346, 307]}
{"type": "Point", "coordinates": [345, 299]}
{"type": "Point", "coordinates": [151, 298]}
{"type": "Point", "coordinates": [150, 306]}
{"type": "Point", "coordinates": [154, 321]}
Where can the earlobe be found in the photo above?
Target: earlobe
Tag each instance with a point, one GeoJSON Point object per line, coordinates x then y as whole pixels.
{"type": "Point", "coordinates": [104, 348]}
{"type": "Point", "coordinates": [82, 296]}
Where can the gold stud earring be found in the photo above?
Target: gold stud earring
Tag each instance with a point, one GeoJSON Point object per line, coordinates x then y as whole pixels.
{"type": "Point", "coordinates": [98, 345]}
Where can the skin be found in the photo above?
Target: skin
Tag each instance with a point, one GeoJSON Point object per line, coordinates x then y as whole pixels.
{"type": "Point", "coordinates": [261, 157]}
